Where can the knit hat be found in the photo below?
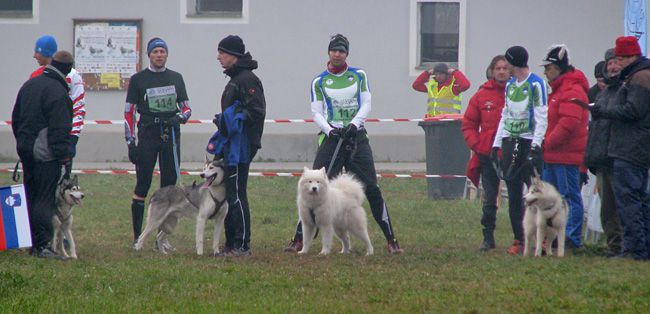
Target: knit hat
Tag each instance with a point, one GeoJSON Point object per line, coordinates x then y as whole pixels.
{"type": "Point", "coordinates": [339, 42]}
{"type": "Point", "coordinates": [627, 46]}
{"type": "Point", "coordinates": [46, 46]}
{"type": "Point", "coordinates": [232, 45]}
{"type": "Point", "coordinates": [517, 56]}
{"type": "Point", "coordinates": [609, 54]}
{"type": "Point", "coordinates": [558, 55]}
{"type": "Point", "coordinates": [156, 43]}
{"type": "Point", "coordinates": [599, 70]}
{"type": "Point", "coordinates": [63, 61]}
{"type": "Point", "coordinates": [441, 68]}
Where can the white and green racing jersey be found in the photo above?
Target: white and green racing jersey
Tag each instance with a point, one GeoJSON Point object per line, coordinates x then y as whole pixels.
{"type": "Point", "coordinates": [525, 112]}
{"type": "Point", "coordinates": [340, 99]}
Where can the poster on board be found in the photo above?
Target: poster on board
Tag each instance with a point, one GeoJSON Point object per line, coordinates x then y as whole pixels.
{"type": "Point", "coordinates": [107, 52]}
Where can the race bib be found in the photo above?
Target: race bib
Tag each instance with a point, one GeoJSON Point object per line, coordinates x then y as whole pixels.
{"type": "Point", "coordinates": [162, 99]}
{"type": "Point", "coordinates": [344, 109]}
{"type": "Point", "coordinates": [517, 126]}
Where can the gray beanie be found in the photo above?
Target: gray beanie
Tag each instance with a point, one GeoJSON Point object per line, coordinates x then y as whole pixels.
{"type": "Point", "coordinates": [609, 54]}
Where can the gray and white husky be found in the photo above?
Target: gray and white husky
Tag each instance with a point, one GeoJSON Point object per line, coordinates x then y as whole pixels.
{"type": "Point", "coordinates": [207, 201]}
{"type": "Point", "coordinates": [545, 217]}
{"type": "Point", "coordinates": [68, 194]}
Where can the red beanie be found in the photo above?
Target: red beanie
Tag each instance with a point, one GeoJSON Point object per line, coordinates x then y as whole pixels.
{"type": "Point", "coordinates": [627, 46]}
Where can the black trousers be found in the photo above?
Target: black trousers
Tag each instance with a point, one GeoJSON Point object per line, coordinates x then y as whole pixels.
{"type": "Point", "coordinates": [490, 182]}
{"type": "Point", "coordinates": [152, 147]}
{"type": "Point", "coordinates": [356, 157]}
{"type": "Point", "coordinates": [517, 170]}
{"type": "Point", "coordinates": [238, 219]}
{"type": "Point", "coordinates": [41, 179]}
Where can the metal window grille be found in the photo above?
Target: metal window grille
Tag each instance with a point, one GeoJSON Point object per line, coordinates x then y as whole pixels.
{"type": "Point", "coordinates": [439, 32]}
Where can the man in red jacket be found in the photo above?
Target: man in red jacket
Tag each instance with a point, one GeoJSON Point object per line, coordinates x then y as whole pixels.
{"type": "Point", "coordinates": [479, 127]}
{"type": "Point", "coordinates": [566, 135]}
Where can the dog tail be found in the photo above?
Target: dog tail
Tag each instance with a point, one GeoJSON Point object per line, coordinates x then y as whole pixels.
{"type": "Point", "coordinates": [350, 186]}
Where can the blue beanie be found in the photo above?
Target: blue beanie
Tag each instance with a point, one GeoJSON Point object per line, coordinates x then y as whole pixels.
{"type": "Point", "coordinates": [155, 43]}
{"type": "Point", "coordinates": [46, 46]}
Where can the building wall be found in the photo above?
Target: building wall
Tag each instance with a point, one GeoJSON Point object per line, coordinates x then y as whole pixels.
{"type": "Point", "coordinates": [289, 39]}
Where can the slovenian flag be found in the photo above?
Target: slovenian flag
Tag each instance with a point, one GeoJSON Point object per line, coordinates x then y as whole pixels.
{"type": "Point", "coordinates": [14, 221]}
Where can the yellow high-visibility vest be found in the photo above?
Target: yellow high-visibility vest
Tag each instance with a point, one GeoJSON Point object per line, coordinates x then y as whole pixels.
{"type": "Point", "coordinates": [443, 100]}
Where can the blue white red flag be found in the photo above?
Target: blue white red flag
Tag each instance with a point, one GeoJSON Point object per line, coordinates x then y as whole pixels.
{"type": "Point", "coordinates": [636, 22]}
{"type": "Point", "coordinates": [14, 221]}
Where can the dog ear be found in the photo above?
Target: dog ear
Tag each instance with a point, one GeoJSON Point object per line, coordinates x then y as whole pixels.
{"type": "Point", "coordinates": [206, 159]}
{"type": "Point", "coordinates": [305, 169]}
{"type": "Point", "coordinates": [323, 170]}
{"type": "Point", "coordinates": [75, 180]}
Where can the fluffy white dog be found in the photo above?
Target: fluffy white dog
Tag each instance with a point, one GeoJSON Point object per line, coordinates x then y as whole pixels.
{"type": "Point", "coordinates": [334, 208]}
{"type": "Point", "coordinates": [545, 217]}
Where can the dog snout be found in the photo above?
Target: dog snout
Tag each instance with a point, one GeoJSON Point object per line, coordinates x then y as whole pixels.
{"type": "Point", "coordinates": [315, 189]}
{"type": "Point", "coordinates": [202, 175]}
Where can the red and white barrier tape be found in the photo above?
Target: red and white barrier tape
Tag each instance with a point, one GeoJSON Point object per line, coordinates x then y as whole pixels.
{"type": "Point", "coordinates": [121, 122]}
{"type": "Point", "coordinates": [261, 174]}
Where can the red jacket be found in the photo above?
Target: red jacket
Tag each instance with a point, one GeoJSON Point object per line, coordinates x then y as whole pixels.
{"type": "Point", "coordinates": [460, 85]}
{"type": "Point", "coordinates": [480, 123]}
{"type": "Point", "coordinates": [566, 135]}
{"type": "Point", "coordinates": [482, 116]}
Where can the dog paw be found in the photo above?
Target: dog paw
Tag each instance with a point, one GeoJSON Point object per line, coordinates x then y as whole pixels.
{"type": "Point", "coordinates": [137, 246]}
{"type": "Point", "coordinates": [324, 253]}
{"type": "Point", "coordinates": [302, 252]}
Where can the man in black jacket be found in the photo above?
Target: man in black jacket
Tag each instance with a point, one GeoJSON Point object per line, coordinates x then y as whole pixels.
{"type": "Point", "coordinates": [246, 89]}
{"type": "Point", "coordinates": [597, 160]}
{"type": "Point", "coordinates": [628, 146]}
{"type": "Point", "coordinates": [41, 123]}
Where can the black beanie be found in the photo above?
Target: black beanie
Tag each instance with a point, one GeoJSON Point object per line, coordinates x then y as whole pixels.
{"type": "Point", "coordinates": [232, 45]}
{"type": "Point", "coordinates": [62, 61]}
{"type": "Point", "coordinates": [339, 42]}
{"type": "Point", "coordinates": [599, 70]}
{"type": "Point", "coordinates": [517, 56]}
{"type": "Point", "coordinates": [558, 55]}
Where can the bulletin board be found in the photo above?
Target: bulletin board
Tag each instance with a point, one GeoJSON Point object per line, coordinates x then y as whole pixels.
{"type": "Point", "coordinates": [107, 52]}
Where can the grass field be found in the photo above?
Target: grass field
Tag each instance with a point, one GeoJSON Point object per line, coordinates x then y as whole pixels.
{"type": "Point", "coordinates": [441, 270]}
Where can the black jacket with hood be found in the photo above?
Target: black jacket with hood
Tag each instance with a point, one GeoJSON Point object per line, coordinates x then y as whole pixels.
{"type": "Point", "coordinates": [42, 118]}
{"type": "Point", "coordinates": [246, 87]}
{"type": "Point", "coordinates": [596, 157]}
{"type": "Point", "coordinates": [630, 117]}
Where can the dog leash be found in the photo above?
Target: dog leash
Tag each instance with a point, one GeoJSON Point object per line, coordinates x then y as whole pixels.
{"type": "Point", "coordinates": [16, 175]}
{"type": "Point", "coordinates": [334, 156]}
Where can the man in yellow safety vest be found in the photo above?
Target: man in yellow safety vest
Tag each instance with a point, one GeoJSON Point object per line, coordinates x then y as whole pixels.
{"type": "Point", "coordinates": [443, 86]}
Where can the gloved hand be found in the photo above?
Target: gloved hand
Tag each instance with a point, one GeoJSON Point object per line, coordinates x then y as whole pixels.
{"type": "Point", "coordinates": [584, 178]}
{"type": "Point", "coordinates": [67, 167]}
{"type": "Point", "coordinates": [133, 153]}
{"type": "Point", "coordinates": [350, 131]}
{"type": "Point", "coordinates": [217, 120]}
{"type": "Point", "coordinates": [177, 120]}
{"type": "Point", "coordinates": [335, 133]}
{"type": "Point", "coordinates": [535, 155]}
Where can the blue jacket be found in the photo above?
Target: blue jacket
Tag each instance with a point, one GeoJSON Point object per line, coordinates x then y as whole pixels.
{"type": "Point", "coordinates": [232, 142]}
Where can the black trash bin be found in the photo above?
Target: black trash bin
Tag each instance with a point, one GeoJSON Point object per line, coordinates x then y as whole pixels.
{"type": "Point", "coordinates": [446, 154]}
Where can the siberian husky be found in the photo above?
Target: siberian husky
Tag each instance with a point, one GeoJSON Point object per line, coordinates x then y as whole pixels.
{"type": "Point", "coordinates": [68, 194]}
{"type": "Point", "coordinates": [334, 208]}
{"type": "Point", "coordinates": [545, 217]}
{"type": "Point", "coordinates": [204, 202]}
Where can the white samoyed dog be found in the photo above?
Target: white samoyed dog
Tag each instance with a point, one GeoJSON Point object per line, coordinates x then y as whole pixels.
{"type": "Point", "coordinates": [334, 207]}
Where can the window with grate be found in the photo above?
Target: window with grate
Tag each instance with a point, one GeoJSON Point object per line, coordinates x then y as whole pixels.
{"type": "Point", "coordinates": [218, 8]}
{"type": "Point", "coordinates": [438, 35]}
{"type": "Point", "coordinates": [16, 8]}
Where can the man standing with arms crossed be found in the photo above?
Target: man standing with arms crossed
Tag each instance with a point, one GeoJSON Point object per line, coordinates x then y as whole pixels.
{"type": "Point", "coordinates": [519, 136]}
{"type": "Point", "coordinates": [44, 48]}
{"type": "Point", "coordinates": [245, 91]}
{"type": "Point", "coordinates": [340, 104]}
{"type": "Point", "coordinates": [158, 95]}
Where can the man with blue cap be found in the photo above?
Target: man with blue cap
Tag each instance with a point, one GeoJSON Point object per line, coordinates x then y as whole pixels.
{"type": "Point", "coordinates": [158, 95]}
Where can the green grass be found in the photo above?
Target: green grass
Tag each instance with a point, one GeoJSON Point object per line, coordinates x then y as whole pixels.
{"type": "Point", "coordinates": [441, 270]}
